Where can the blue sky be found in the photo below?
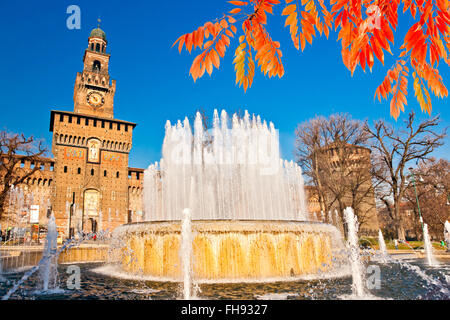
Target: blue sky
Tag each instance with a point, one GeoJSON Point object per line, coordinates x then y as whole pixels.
{"type": "Point", "coordinates": [40, 57]}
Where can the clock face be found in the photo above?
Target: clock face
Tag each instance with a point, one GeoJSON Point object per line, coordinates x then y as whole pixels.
{"type": "Point", "coordinates": [95, 99]}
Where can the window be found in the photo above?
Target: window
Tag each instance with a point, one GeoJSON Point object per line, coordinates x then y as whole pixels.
{"type": "Point", "coordinates": [118, 126]}
{"type": "Point", "coordinates": [86, 122]}
{"type": "Point", "coordinates": [41, 167]}
{"type": "Point", "coordinates": [110, 125]}
{"type": "Point", "coordinates": [96, 66]}
{"type": "Point", "coordinates": [52, 166]}
{"type": "Point", "coordinates": [22, 163]}
{"type": "Point", "coordinates": [103, 124]}
{"type": "Point", "coordinates": [95, 122]}
{"type": "Point", "coordinates": [104, 173]}
{"type": "Point", "coordinates": [61, 118]}
{"type": "Point", "coordinates": [103, 48]}
{"type": "Point", "coordinates": [92, 46]}
{"type": "Point", "coordinates": [70, 119]}
{"type": "Point", "coordinates": [126, 127]}
{"type": "Point", "coordinates": [137, 175]}
{"type": "Point", "coordinates": [78, 120]}
{"type": "Point", "coordinates": [97, 47]}
{"type": "Point", "coordinates": [117, 174]}
{"type": "Point", "coordinates": [32, 165]}
{"type": "Point", "coordinates": [79, 170]}
{"type": "Point", "coordinates": [65, 169]}
{"type": "Point", "coordinates": [92, 172]}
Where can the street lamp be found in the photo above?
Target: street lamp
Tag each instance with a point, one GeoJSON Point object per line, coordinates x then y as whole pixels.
{"type": "Point", "coordinates": [417, 198]}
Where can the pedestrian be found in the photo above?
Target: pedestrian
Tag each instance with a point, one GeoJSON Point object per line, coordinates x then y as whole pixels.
{"type": "Point", "coordinates": [396, 244]}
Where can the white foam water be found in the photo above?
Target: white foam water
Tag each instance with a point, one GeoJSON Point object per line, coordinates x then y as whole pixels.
{"type": "Point", "coordinates": [382, 246]}
{"type": "Point", "coordinates": [48, 269]}
{"type": "Point", "coordinates": [186, 252]}
{"type": "Point", "coordinates": [238, 173]}
{"type": "Point", "coordinates": [355, 259]}
{"type": "Point", "coordinates": [431, 260]}
{"type": "Point", "coordinates": [447, 233]}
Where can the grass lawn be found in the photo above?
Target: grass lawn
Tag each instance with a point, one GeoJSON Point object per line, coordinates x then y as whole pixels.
{"type": "Point", "coordinates": [401, 246]}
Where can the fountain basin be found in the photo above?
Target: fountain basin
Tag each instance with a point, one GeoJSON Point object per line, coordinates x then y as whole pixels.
{"type": "Point", "coordinates": [228, 249]}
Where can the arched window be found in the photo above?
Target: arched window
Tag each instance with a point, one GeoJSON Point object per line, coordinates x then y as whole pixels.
{"type": "Point", "coordinates": [92, 172]}
{"type": "Point", "coordinates": [117, 174]}
{"type": "Point", "coordinates": [92, 46]}
{"type": "Point", "coordinates": [96, 66]}
{"type": "Point", "coordinates": [97, 47]}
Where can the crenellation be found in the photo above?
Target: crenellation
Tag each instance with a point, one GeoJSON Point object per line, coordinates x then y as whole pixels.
{"type": "Point", "coordinates": [90, 169]}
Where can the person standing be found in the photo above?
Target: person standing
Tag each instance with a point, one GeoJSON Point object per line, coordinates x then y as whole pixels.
{"type": "Point", "coordinates": [396, 244]}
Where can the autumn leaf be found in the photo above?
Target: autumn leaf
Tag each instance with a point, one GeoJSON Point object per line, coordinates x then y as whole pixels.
{"type": "Point", "coordinates": [365, 30]}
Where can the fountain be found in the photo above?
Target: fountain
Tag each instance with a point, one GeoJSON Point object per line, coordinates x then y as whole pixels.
{"type": "Point", "coordinates": [447, 234]}
{"type": "Point", "coordinates": [330, 218]}
{"type": "Point", "coordinates": [431, 260]}
{"type": "Point", "coordinates": [222, 207]}
{"type": "Point", "coordinates": [186, 252]}
{"type": "Point", "coordinates": [247, 220]}
{"type": "Point", "coordinates": [382, 246]}
{"type": "Point", "coordinates": [355, 260]}
{"type": "Point", "coordinates": [48, 266]}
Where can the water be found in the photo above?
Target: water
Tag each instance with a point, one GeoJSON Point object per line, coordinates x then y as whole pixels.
{"type": "Point", "coordinates": [428, 247]}
{"type": "Point", "coordinates": [447, 234]}
{"type": "Point", "coordinates": [354, 256]}
{"type": "Point", "coordinates": [382, 246]}
{"type": "Point", "coordinates": [48, 265]}
{"type": "Point", "coordinates": [397, 283]}
{"type": "Point", "coordinates": [186, 252]}
{"type": "Point", "coordinates": [237, 170]}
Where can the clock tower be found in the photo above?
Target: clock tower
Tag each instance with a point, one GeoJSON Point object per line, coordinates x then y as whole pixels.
{"type": "Point", "coordinates": [94, 92]}
{"type": "Point", "coordinates": [94, 186]}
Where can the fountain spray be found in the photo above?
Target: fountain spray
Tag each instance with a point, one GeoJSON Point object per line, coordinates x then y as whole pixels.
{"type": "Point", "coordinates": [48, 272]}
{"type": "Point", "coordinates": [447, 234]}
{"type": "Point", "coordinates": [428, 248]}
{"type": "Point", "coordinates": [382, 245]}
{"type": "Point", "coordinates": [355, 260]}
{"type": "Point", "coordinates": [186, 250]}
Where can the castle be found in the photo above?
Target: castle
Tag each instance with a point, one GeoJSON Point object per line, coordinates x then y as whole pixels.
{"type": "Point", "coordinates": [88, 183]}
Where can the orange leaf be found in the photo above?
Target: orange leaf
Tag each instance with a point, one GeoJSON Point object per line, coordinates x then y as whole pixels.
{"type": "Point", "coordinates": [215, 58]}
{"type": "Point", "coordinates": [224, 23]}
{"type": "Point", "coordinates": [289, 9]}
{"type": "Point", "coordinates": [238, 3]}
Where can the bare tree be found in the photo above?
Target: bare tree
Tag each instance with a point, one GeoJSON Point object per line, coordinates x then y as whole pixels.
{"type": "Point", "coordinates": [432, 180]}
{"type": "Point", "coordinates": [15, 148]}
{"type": "Point", "coordinates": [309, 139]}
{"type": "Point", "coordinates": [331, 155]}
{"type": "Point", "coordinates": [393, 150]}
